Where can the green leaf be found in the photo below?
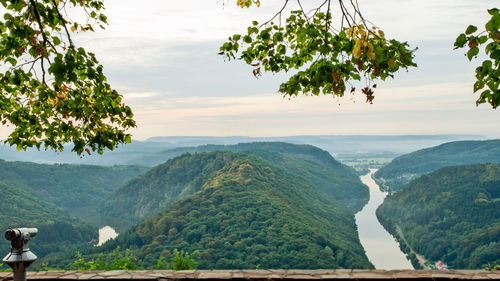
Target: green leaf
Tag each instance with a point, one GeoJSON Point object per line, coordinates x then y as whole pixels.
{"type": "Point", "coordinates": [483, 39]}
{"type": "Point", "coordinates": [56, 40]}
{"type": "Point", "coordinates": [487, 65]}
{"type": "Point", "coordinates": [470, 29]}
{"type": "Point", "coordinates": [11, 60]}
{"type": "Point", "coordinates": [472, 52]}
{"type": "Point", "coordinates": [493, 11]}
{"type": "Point", "coordinates": [247, 39]}
{"type": "Point", "coordinates": [103, 18]}
{"type": "Point", "coordinates": [478, 86]}
{"type": "Point", "coordinates": [495, 55]}
{"type": "Point", "coordinates": [492, 25]}
{"type": "Point", "coordinates": [460, 41]}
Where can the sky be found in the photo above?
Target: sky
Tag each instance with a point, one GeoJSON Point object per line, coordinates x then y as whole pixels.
{"type": "Point", "coordinates": [162, 57]}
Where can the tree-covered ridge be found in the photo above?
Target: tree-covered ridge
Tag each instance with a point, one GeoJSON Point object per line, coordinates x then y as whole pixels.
{"type": "Point", "coordinates": [57, 230]}
{"type": "Point", "coordinates": [334, 179]}
{"type": "Point", "coordinates": [452, 215]}
{"type": "Point", "coordinates": [318, 154]}
{"type": "Point", "coordinates": [166, 183]}
{"type": "Point", "coordinates": [410, 166]}
{"type": "Point", "coordinates": [312, 163]}
{"type": "Point", "coordinates": [162, 185]}
{"type": "Point", "coordinates": [250, 214]}
{"type": "Point", "coordinates": [67, 185]}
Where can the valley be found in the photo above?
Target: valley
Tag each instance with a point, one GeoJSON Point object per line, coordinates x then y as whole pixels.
{"type": "Point", "coordinates": [253, 205]}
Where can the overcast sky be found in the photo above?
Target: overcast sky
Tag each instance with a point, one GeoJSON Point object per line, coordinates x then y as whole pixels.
{"type": "Point", "coordinates": [162, 57]}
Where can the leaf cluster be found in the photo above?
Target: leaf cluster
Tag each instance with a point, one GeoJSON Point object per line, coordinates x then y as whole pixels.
{"type": "Point", "coordinates": [324, 60]}
{"type": "Point", "coordinates": [4, 268]}
{"type": "Point", "coordinates": [180, 261]}
{"type": "Point", "coordinates": [488, 73]}
{"type": "Point", "coordinates": [51, 91]}
{"type": "Point", "coordinates": [119, 262]}
{"type": "Point", "coordinates": [247, 3]}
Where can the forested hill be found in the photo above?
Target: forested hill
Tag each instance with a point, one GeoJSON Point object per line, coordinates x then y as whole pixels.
{"type": "Point", "coordinates": [57, 230]}
{"type": "Point", "coordinates": [407, 167]}
{"type": "Point", "coordinates": [314, 164]}
{"type": "Point", "coordinates": [69, 186]}
{"type": "Point", "coordinates": [452, 215]}
{"type": "Point", "coordinates": [166, 183]}
{"type": "Point", "coordinates": [281, 147]}
{"type": "Point", "coordinates": [249, 214]}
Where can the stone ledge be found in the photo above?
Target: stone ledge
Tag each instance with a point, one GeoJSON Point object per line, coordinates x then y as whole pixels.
{"type": "Point", "coordinates": [280, 274]}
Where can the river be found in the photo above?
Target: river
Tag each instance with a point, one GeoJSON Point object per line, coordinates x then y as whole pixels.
{"type": "Point", "coordinates": [106, 233]}
{"type": "Point", "coordinates": [381, 248]}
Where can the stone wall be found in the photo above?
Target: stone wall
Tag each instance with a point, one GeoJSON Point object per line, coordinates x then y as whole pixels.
{"type": "Point", "coordinates": [205, 275]}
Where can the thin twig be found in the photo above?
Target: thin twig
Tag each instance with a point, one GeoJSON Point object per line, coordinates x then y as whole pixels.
{"type": "Point", "coordinates": [303, 12]}
{"type": "Point", "coordinates": [316, 10]}
{"type": "Point", "coordinates": [327, 23]}
{"type": "Point", "coordinates": [64, 23]}
{"type": "Point", "coordinates": [40, 25]}
{"type": "Point", "coordinates": [277, 14]}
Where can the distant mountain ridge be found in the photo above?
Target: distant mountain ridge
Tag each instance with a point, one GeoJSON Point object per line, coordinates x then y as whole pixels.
{"type": "Point", "coordinates": [125, 154]}
{"type": "Point", "coordinates": [246, 213]}
{"type": "Point", "coordinates": [410, 166]}
{"type": "Point", "coordinates": [186, 174]}
{"type": "Point", "coordinates": [450, 215]}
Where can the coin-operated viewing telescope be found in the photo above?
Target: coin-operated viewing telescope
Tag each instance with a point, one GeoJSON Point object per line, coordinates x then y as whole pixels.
{"type": "Point", "coordinates": [20, 256]}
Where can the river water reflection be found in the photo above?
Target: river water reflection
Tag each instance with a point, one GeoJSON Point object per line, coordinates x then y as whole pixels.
{"type": "Point", "coordinates": [381, 248]}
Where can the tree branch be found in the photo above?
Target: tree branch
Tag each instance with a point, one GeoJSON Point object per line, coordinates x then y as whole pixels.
{"type": "Point", "coordinates": [277, 14]}
{"type": "Point", "coordinates": [39, 21]}
{"type": "Point", "coordinates": [64, 24]}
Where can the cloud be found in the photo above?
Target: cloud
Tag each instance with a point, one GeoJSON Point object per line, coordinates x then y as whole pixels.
{"type": "Point", "coordinates": [162, 56]}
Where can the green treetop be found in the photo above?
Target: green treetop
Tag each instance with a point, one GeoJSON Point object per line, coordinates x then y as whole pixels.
{"type": "Point", "coordinates": [51, 91]}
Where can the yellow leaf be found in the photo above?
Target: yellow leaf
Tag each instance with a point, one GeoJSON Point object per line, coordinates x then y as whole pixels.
{"type": "Point", "coordinates": [362, 32]}
{"type": "Point", "coordinates": [381, 34]}
{"type": "Point", "coordinates": [371, 53]}
{"type": "Point", "coordinates": [73, 28]}
{"type": "Point", "coordinates": [61, 95]}
{"type": "Point", "coordinates": [391, 62]}
{"type": "Point", "coordinates": [352, 32]}
{"type": "Point", "coordinates": [356, 51]}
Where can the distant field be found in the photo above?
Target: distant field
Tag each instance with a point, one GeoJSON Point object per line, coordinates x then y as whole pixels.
{"type": "Point", "coordinates": [361, 162]}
